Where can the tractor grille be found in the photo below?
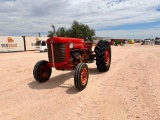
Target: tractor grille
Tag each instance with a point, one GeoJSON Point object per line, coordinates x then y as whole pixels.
{"type": "Point", "coordinates": [59, 52]}
{"type": "Point", "coordinates": [50, 57]}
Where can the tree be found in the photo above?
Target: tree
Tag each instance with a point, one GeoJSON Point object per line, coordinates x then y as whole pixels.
{"type": "Point", "coordinates": [77, 30]}
{"type": "Point", "coordinates": [80, 30]}
{"type": "Point", "coordinates": [61, 32]}
{"type": "Point", "coordinates": [50, 33]}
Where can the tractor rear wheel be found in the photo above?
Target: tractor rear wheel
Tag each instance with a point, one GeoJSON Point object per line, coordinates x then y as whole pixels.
{"type": "Point", "coordinates": [103, 56]}
{"type": "Point", "coordinates": [42, 71]}
{"type": "Point", "coordinates": [81, 76]}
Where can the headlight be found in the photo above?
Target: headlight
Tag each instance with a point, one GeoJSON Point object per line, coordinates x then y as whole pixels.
{"type": "Point", "coordinates": [71, 45]}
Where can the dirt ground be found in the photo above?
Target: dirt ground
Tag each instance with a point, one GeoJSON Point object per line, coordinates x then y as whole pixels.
{"type": "Point", "coordinates": [130, 90]}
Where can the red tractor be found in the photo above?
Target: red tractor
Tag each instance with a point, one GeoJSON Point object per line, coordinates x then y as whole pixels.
{"type": "Point", "coordinates": [73, 53]}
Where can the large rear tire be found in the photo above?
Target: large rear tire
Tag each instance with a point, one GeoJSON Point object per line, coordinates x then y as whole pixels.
{"type": "Point", "coordinates": [103, 56]}
{"type": "Point", "coordinates": [81, 76]}
{"type": "Point", "coordinates": [42, 71]}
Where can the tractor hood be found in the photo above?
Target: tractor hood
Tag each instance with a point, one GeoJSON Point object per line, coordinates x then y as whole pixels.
{"type": "Point", "coordinates": [64, 40]}
{"type": "Point", "coordinates": [73, 42]}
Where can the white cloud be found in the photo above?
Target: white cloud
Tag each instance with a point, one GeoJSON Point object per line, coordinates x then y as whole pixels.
{"type": "Point", "coordinates": [30, 17]}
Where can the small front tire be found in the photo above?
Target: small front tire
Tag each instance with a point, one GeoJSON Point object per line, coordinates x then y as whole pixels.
{"type": "Point", "coordinates": [81, 76]}
{"type": "Point", "coordinates": [42, 71]}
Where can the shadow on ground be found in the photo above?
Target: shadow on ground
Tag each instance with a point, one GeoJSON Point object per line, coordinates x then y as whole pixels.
{"type": "Point", "coordinates": [52, 82]}
{"type": "Point", "coordinates": [57, 81]}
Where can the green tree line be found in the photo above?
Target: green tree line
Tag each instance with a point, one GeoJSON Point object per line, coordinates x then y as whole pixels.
{"type": "Point", "coordinates": [77, 30]}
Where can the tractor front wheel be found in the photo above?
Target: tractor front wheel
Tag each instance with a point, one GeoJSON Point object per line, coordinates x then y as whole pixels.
{"type": "Point", "coordinates": [42, 71]}
{"type": "Point", "coordinates": [81, 76]}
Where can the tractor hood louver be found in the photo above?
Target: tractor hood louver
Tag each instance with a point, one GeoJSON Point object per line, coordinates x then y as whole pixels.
{"type": "Point", "coordinates": [59, 52]}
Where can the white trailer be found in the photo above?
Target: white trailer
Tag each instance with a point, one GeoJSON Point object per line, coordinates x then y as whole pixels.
{"type": "Point", "coordinates": [30, 42]}
{"type": "Point", "coordinates": [11, 43]}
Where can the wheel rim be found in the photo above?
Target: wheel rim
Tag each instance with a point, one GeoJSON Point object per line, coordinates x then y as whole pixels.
{"type": "Point", "coordinates": [44, 71]}
{"type": "Point", "coordinates": [107, 57]}
{"type": "Point", "coordinates": [84, 76]}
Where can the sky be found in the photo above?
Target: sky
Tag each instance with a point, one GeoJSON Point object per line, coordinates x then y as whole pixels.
{"type": "Point", "coordinates": [132, 19]}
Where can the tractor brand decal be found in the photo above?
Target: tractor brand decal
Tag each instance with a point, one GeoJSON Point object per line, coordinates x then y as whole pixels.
{"type": "Point", "coordinates": [51, 41]}
{"type": "Point", "coordinates": [10, 45]}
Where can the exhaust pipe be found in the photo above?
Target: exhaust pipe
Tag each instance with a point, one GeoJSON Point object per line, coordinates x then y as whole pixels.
{"type": "Point", "coordinates": [54, 31]}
